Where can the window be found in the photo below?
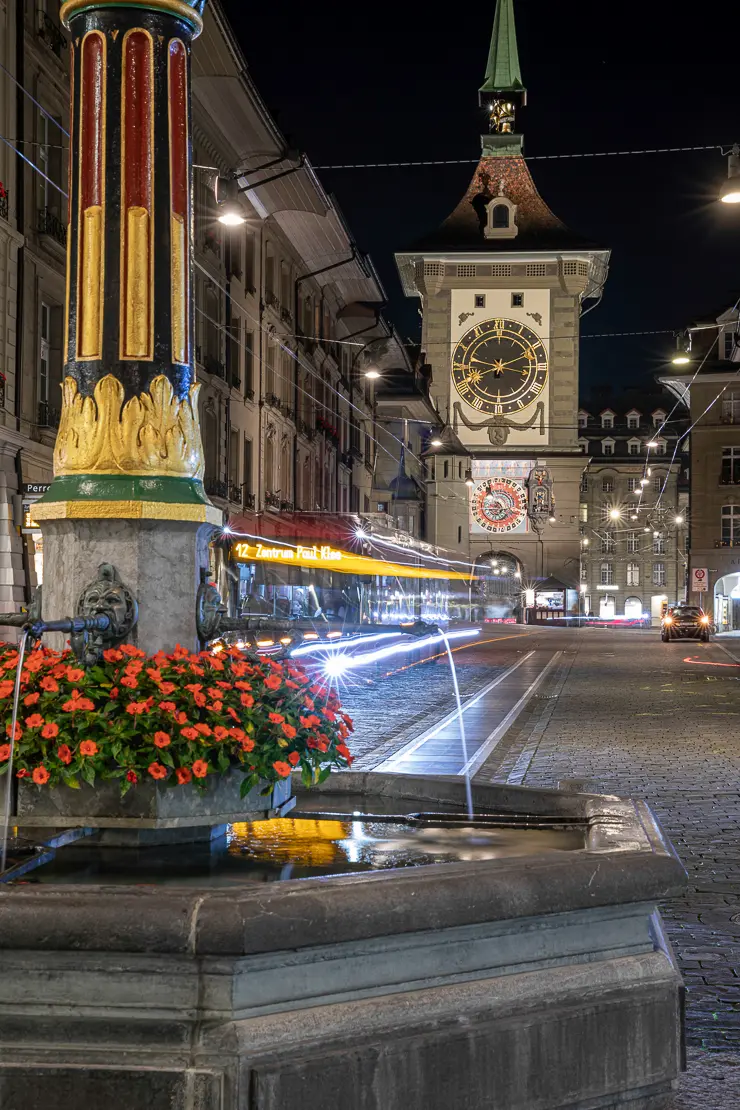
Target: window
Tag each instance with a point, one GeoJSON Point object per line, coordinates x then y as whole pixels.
{"type": "Point", "coordinates": [658, 418]}
{"type": "Point", "coordinates": [247, 481]}
{"type": "Point", "coordinates": [50, 159]}
{"type": "Point", "coordinates": [657, 483]}
{"type": "Point", "coordinates": [607, 574]}
{"type": "Point", "coordinates": [249, 260]}
{"type": "Point", "coordinates": [44, 338]}
{"type": "Point", "coordinates": [607, 446]}
{"type": "Point", "coordinates": [270, 368]}
{"type": "Point", "coordinates": [584, 571]}
{"type": "Point", "coordinates": [233, 351]}
{"type": "Point", "coordinates": [608, 544]}
{"type": "Point", "coordinates": [269, 466]}
{"type": "Point", "coordinates": [731, 524]}
{"type": "Point", "coordinates": [269, 272]}
{"type": "Point", "coordinates": [500, 216]}
{"type": "Point", "coordinates": [731, 408]}
{"type": "Point", "coordinates": [633, 543]}
{"type": "Point", "coordinates": [446, 469]}
{"type": "Point", "coordinates": [633, 420]}
{"type": "Point", "coordinates": [633, 574]}
{"type": "Point", "coordinates": [607, 420]}
{"type": "Point", "coordinates": [249, 364]}
{"type": "Point", "coordinates": [584, 483]}
{"type": "Point", "coordinates": [234, 465]}
{"type": "Point", "coordinates": [658, 543]}
{"type": "Point", "coordinates": [632, 485]}
{"type": "Point", "coordinates": [659, 574]}
{"type": "Point", "coordinates": [517, 300]}
{"type": "Point", "coordinates": [459, 471]}
{"type": "Point", "coordinates": [729, 344]}
{"type": "Point", "coordinates": [730, 466]}
{"type": "Point", "coordinates": [459, 533]}
{"type": "Point", "coordinates": [582, 419]}
{"type": "Point", "coordinates": [660, 449]}
{"type": "Point", "coordinates": [583, 445]}
{"type": "Point", "coordinates": [583, 514]}
{"type": "Point", "coordinates": [480, 300]}
{"type": "Point", "coordinates": [634, 447]}
{"type": "Point", "coordinates": [607, 485]}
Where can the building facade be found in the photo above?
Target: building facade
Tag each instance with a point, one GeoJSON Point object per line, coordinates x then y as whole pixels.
{"type": "Point", "coordinates": [710, 383]}
{"type": "Point", "coordinates": [502, 284]}
{"type": "Point", "coordinates": [287, 309]}
{"type": "Point", "coordinates": [634, 508]}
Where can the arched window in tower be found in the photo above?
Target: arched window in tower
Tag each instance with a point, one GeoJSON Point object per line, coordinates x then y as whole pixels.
{"type": "Point", "coordinates": [500, 216]}
{"type": "Point", "coordinates": [500, 219]}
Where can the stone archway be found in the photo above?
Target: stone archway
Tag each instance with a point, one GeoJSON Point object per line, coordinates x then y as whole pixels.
{"type": "Point", "coordinates": [727, 603]}
{"type": "Point", "coordinates": [497, 591]}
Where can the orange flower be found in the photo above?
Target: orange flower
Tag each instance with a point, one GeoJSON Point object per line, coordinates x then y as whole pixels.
{"type": "Point", "coordinates": [183, 775]}
{"type": "Point", "coordinates": [161, 740]}
{"type": "Point", "coordinates": [136, 708]}
{"type": "Point", "coordinates": [242, 685]}
{"type": "Point", "coordinates": [194, 687]}
{"type": "Point", "coordinates": [180, 652]}
{"type": "Point", "coordinates": [277, 718]}
{"type": "Point", "coordinates": [344, 751]}
{"type": "Point", "coordinates": [167, 688]}
{"type": "Point", "coordinates": [247, 744]}
{"type": "Point", "coordinates": [130, 650]}
{"type": "Point", "coordinates": [35, 662]}
{"type": "Point", "coordinates": [200, 768]}
{"type": "Point", "coordinates": [215, 707]}
{"type": "Point", "coordinates": [132, 777]}
{"type": "Point", "coordinates": [247, 701]}
{"type": "Point", "coordinates": [23, 773]}
{"type": "Point", "coordinates": [59, 671]}
{"type": "Point", "coordinates": [223, 685]}
{"type": "Point", "coordinates": [154, 674]}
{"type": "Point", "coordinates": [157, 771]}
{"type": "Point", "coordinates": [292, 685]}
{"type": "Point", "coordinates": [4, 752]}
{"type": "Point", "coordinates": [74, 674]}
{"type": "Point", "coordinates": [199, 699]}
{"type": "Point", "coordinates": [50, 730]}
{"type": "Point", "coordinates": [294, 758]}
{"type": "Point", "coordinates": [233, 713]}
{"type": "Point", "coordinates": [130, 681]}
{"type": "Point", "coordinates": [18, 731]}
{"type": "Point", "coordinates": [220, 732]}
{"type": "Point", "coordinates": [181, 718]}
{"type": "Point", "coordinates": [283, 769]}
{"type": "Point", "coordinates": [77, 702]}
{"type": "Point", "coordinates": [88, 747]}
{"type": "Point", "coordinates": [112, 655]}
{"type": "Point", "coordinates": [189, 733]}
{"type": "Point", "coordinates": [64, 753]}
{"type": "Point", "coordinates": [31, 699]}
{"type": "Point", "coordinates": [196, 670]}
{"type": "Point", "coordinates": [167, 706]}
{"type": "Point", "coordinates": [330, 715]}
{"type": "Point", "coordinates": [288, 731]}
{"type": "Point", "coordinates": [203, 729]}
{"type": "Point", "coordinates": [312, 721]}
{"type": "Point", "coordinates": [240, 669]}
{"type": "Point", "coordinates": [40, 775]}
{"type": "Point", "coordinates": [34, 721]}
{"type": "Point", "coordinates": [272, 682]}
{"type": "Point", "coordinates": [113, 693]}
{"type": "Point", "coordinates": [47, 683]}
{"type": "Point", "coordinates": [348, 722]}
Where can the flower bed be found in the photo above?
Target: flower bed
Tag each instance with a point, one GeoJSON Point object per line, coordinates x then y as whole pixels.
{"type": "Point", "coordinates": [174, 719]}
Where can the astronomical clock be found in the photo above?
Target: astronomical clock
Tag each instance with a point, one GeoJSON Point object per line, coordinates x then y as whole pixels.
{"type": "Point", "coordinates": [499, 505]}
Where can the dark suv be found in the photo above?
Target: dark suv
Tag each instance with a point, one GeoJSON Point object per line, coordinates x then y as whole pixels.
{"type": "Point", "coordinates": [685, 622]}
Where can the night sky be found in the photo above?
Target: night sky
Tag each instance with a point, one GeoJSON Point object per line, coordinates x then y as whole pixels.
{"type": "Point", "coordinates": [385, 81]}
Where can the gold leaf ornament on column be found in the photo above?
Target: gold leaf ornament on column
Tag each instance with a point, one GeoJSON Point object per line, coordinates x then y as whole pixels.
{"type": "Point", "coordinates": [153, 434]}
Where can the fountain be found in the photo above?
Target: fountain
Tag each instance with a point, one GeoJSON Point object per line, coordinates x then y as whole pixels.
{"type": "Point", "coordinates": [396, 941]}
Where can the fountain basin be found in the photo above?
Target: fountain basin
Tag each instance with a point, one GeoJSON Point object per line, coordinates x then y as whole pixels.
{"type": "Point", "coordinates": [540, 981]}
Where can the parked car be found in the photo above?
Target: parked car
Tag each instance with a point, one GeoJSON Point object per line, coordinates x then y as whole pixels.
{"type": "Point", "coordinates": [685, 622]}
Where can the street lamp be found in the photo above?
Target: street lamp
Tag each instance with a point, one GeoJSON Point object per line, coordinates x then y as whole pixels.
{"type": "Point", "coordinates": [615, 514]}
{"type": "Point", "coordinates": [372, 374]}
{"type": "Point", "coordinates": [730, 191]}
{"type": "Point", "coordinates": [231, 212]}
{"type": "Point", "coordinates": [653, 442]}
{"type": "Point", "coordinates": [469, 479]}
{"type": "Point", "coordinates": [683, 346]}
{"type": "Point", "coordinates": [436, 442]}
{"type": "Point", "coordinates": [678, 520]}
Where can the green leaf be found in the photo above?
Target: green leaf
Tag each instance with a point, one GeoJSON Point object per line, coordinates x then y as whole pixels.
{"type": "Point", "coordinates": [306, 776]}
{"type": "Point", "coordinates": [223, 762]}
{"type": "Point", "coordinates": [88, 772]}
{"type": "Point", "coordinates": [248, 783]}
{"type": "Point", "coordinates": [166, 757]}
{"type": "Point", "coordinates": [71, 782]}
{"type": "Point", "coordinates": [324, 775]}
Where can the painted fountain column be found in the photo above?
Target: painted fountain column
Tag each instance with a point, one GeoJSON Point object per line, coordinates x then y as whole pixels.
{"type": "Point", "coordinates": [128, 462]}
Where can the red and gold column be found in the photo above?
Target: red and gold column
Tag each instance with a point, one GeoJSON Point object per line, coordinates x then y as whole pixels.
{"type": "Point", "coordinates": [129, 443]}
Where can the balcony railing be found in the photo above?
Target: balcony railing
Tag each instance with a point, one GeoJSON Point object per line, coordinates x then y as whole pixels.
{"type": "Point", "coordinates": [727, 543]}
{"type": "Point", "coordinates": [346, 458]}
{"type": "Point", "coordinates": [4, 204]}
{"type": "Point", "coordinates": [50, 34]}
{"type": "Point", "coordinates": [214, 487]}
{"type": "Point", "coordinates": [51, 225]}
{"type": "Point", "coordinates": [249, 501]}
{"type": "Point", "coordinates": [286, 506]}
{"type": "Point", "coordinates": [249, 394]}
{"type": "Point", "coordinates": [235, 492]}
{"type": "Point", "coordinates": [48, 416]}
{"type": "Point", "coordinates": [273, 401]}
{"type": "Point", "coordinates": [726, 479]}
{"type": "Point", "coordinates": [214, 366]}
{"type": "Point", "coordinates": [272, 500]}
{"type": "Point", "coordinates": [304, 429]}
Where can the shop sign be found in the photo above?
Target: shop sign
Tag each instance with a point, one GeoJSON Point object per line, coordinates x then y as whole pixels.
{"type": "Point", "coordinates": [29, 524]}
{"type": "Point", "coordinates": [35, 489]}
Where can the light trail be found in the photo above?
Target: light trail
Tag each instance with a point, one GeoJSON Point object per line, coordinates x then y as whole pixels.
{"type": "Point", "coordinates": [340, 645]}
{"type": "Point", "coordinates": [337, 666]}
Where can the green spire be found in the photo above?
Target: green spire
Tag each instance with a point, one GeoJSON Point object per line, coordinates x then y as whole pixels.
{"type": "Point", "coordinates": [502, 72]}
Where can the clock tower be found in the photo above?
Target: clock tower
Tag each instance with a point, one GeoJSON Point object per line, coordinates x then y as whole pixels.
{"type": "Point", "coordinates": [503, 283]}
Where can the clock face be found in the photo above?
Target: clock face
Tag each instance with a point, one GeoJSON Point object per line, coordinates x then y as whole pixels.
{"type": "Point", "coordinates": [499, 367]}
{"type": "Point", "coordinates": [498, 504]}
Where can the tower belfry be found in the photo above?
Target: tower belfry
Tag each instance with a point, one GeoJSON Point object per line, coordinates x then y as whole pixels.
{"type": "Point", "coordinates": [502, 283]}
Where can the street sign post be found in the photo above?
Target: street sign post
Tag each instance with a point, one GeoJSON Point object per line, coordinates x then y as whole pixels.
{"type": "Point", "coordinates": [699, 580]}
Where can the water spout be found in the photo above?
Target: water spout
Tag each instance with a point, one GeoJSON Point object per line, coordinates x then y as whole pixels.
{"type": "Point", "coordinates": [461, 722]}
{"type": "Point", "coordinates": [9, 771]}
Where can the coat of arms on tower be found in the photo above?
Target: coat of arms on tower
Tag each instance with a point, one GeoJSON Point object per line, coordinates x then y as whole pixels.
{"type": "Point", "coordinates": [498, 427]}
{"type": "Point", "coordinates": [540, 496]}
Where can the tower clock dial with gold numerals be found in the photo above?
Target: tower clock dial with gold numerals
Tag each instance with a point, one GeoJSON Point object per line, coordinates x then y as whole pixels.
{"type": "Point", "coordinates": [499, 367]}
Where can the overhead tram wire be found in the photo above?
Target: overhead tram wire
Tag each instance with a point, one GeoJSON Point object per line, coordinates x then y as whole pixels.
{"type": "Point", "coordinates": [527, 158]}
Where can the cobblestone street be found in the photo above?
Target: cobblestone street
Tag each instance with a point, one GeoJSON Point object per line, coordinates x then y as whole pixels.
{"type": "Point", "coordinates": [623, 713]}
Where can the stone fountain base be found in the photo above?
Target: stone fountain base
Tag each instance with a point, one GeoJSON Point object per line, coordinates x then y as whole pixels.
{"type": "Point", "coordinates": [528, 983]}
